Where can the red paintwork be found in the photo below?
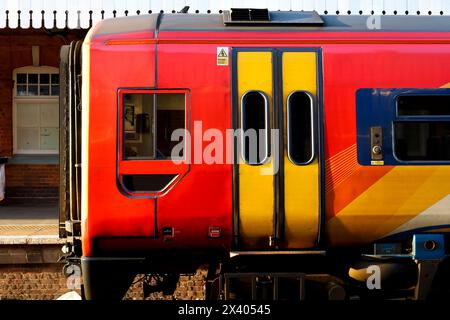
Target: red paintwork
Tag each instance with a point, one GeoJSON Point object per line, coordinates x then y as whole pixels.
{"type": "Point", "coordinates": [271, 38]}
{"type": "Point", "coordinates": [187, 61]}
{"type": "Point", "coordinates": [111, 214]}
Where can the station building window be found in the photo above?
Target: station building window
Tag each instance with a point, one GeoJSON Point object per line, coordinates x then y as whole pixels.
{"type": "Point", "coordinates": [36, 110]}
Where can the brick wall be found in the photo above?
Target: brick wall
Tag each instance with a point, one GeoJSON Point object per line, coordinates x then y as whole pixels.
{"type": "Point", "coordinates": [46, 282]}
{"type": "Point", "coordinates": [35, 282]}
{"type": "Point", "coordinates": [189, 287]}
{"type": "Point", "coordinates": [31, 272]}
{"type": "Point", "coordinates": [27, 181]}
{"type": "Point", "coordinates": [6, 87]}
{"type": "Point", "coordinates": [15, 52]}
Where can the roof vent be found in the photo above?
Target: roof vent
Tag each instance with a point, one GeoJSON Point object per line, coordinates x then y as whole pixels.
{"type": "Point", "coordinates": [264, 17]}
{"type": "Point", "coordinates": [249, 14]}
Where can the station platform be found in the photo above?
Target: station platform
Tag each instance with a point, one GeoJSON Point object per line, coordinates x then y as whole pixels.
{"type": "Point", "coordinates": [29, 234]}
{"type": "Point", "coordinates": [30, 265]}
{"type": "Point", "coordinates": [32, 214]}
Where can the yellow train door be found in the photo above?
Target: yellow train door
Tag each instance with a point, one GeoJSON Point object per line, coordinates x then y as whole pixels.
{"type": "Point", "coordinates": [277, 160]}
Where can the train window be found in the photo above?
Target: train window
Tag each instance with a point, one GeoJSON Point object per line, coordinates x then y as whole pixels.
{"type": "Point", "coordinates": [422, 140]}
{"type": "Point", "coordinates": [149, 119]}
{"type": "Point", "coordinates": [427, 139]}
{"type": "Point", "coordinates": [299, 127]}
{"type": "Point", "coordinates": [423, 105]}
{"type": "Point", "coordinates": [147, 182]}
{"type": "Point", "coordinates": [413, 126]}
{"type": "Point", "coordinates": [255, 124]}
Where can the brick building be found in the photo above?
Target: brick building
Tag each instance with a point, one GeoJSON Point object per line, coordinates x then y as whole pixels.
{"type": "Point", "coordinates": [29, 89]}
{"type": "Point", "coordinates": [30, 38]}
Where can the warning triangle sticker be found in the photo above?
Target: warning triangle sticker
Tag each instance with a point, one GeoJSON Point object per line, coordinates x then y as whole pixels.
{"type": "Point", "coordinates": [222, 54]}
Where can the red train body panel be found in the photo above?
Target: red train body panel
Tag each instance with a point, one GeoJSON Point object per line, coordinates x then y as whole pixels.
{"type": "Point", "coordinates": [160, 53]}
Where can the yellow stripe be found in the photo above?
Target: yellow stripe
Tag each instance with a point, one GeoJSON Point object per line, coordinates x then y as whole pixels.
{"type": "Point", "coordinates": [301, 182]}
{"type": "Point", "coordinates": [399, 196]}
{"type": "Point", "coordinates": [256, 195]}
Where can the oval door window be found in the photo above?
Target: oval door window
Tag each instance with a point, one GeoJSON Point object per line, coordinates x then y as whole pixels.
{"type": "Point", "coordinates": [255, 124]}
{"type": "Point", "coordinates": [300, 136]}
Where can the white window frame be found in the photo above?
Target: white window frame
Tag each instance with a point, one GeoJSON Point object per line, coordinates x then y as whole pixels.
{"type": "Point", "coordinates": [31, 100]}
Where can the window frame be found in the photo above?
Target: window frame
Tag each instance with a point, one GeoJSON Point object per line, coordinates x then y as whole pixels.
{"type": "Point", "coordinates": [377, 107]}
{"type": "Point", "coordinates": [36, 99]}
{"type": "Point", "coordinates": [422, 94]}
{"type": "Point", "coordinates": [179, 167]}
{"type": "Point", "coordinates": [152, 128]}
{"type": "Point", "coordinates": [267, 124]}
{"type": "Point", "coordinates": [289, 123]}
{"type": "Point", "coordinates": [415, 119]}
{"type": "Point", "coordinates": [121, 123]}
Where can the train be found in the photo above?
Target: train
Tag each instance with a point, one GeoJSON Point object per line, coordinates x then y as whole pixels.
{"type": "Point", "coordinates": [296, 155]}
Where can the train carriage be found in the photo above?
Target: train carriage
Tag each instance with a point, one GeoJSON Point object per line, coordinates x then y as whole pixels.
{"type": "Point", "coordinates": [272, 144]}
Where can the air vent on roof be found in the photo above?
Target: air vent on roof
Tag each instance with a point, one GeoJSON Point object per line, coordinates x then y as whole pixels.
{"type": "Point", "coordinates": [249, 14]}
{"type": "Point", "coordinates": [264, 17]}
{"type": "Point", "coordinates": [259, 15]}
{"type": "Point", "coordinates": [240, 15]}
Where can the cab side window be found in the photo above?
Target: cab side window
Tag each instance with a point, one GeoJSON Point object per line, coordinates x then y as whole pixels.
{"type": "Point", "coordinates": [149, 119]}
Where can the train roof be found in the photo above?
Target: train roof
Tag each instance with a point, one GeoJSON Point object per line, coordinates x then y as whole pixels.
{"type": "Point", "coordinates": [155, 24]}
{"type": "Point", "coordinates": [215, 22]}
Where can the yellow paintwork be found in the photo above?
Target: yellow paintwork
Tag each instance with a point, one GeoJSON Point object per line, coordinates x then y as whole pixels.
{"type": "Point", "coordinates": [256, 193]}
{"type": "Point", "coordinates": [301, 182]}
{"type": "Point", "coordinates": [400, 195]}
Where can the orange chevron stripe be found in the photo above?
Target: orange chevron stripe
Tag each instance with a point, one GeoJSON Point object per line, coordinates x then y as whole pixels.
{"type": "Point", "coordinates": [339, 167]}
{"type": "Point", "coordinates": [375, 200]}
{"type": "Point", "coordinates": [346, 179]}
{"type": "Point", "coordinates": [351, 188]}
{"type": "Point", "coordinates": [399, 196]}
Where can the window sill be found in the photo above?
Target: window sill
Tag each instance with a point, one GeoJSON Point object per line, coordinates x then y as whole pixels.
{"type": "Point", "coordinates": [34, 159]}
